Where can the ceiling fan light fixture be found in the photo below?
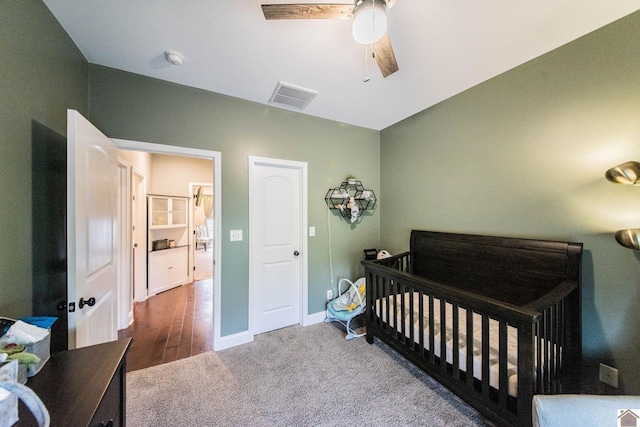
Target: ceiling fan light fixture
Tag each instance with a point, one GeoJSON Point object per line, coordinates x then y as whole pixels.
{"type": "Point", "coordinates": [370, 22]}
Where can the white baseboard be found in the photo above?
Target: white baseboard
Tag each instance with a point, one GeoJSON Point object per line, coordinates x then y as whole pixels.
{"type": "Point", "coordinates": [314, 318]}
{"type": "Point", "coordinates": [245, 337]}
{"type": "Point", "coordinates": [229, 341]}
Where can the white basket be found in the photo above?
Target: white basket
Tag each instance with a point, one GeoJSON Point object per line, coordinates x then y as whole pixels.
{"type": "Point", "coordinates": [40, 349]}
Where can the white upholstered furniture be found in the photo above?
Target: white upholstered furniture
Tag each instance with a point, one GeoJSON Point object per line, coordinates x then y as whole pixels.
{"type": "Point", "coordinates": [584, 410]}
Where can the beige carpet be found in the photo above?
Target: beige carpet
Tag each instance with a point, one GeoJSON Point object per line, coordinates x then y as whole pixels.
{"type": "Point", "coordinates": [294, 376]}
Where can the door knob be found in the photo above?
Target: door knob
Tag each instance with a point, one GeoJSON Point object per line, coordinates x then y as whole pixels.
{"type": "Point", "coordinates": [296, 253]}
{"type": "Point", "coordinates": [90, 302]}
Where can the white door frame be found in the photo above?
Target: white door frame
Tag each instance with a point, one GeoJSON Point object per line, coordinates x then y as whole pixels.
{"type": "Point", "coordinates": [304, 268]}
{"type": "Point", "coordinates": [216, 156]}
{"type": "Point", "coordinates": [125, 276]}
{"type": "Point", "coordinates": [140, 220]}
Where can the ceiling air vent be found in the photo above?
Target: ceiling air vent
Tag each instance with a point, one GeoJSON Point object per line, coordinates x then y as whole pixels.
{"type": "Point", "coordinates": [292, 96]}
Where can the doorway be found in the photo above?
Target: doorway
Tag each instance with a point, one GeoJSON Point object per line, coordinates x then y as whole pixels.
{"type": "Point", "coordinates": [215, 249]}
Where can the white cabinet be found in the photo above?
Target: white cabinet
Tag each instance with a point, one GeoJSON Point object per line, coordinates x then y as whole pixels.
{"type": "Point", "coordinates": [168, 219]}
{"type": "Point", "coordinates": [167, 212]}
{"type": "Point", "coordinates": [168, 268]}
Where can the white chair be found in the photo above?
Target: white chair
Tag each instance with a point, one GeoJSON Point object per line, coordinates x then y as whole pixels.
{"type": "Point", "coordinates": [202, 236]}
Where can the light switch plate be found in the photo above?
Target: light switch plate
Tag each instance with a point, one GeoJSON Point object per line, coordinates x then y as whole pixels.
{"type": "Point", "coordinates": [236, 235]}
{"type": "Point", "coordinates": [312, 231]}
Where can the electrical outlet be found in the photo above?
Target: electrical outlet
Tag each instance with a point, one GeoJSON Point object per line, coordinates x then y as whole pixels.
{"type": "Point", "coordinates": [329, 294]}
{"type": "Point", "coordinates": [609, 375]}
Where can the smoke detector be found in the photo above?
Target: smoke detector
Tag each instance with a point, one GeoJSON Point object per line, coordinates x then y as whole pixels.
{"type": "Point", "coordinates": [173, 57]}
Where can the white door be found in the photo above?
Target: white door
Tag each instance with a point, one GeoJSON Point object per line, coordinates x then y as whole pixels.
{"type": "Point", "coordinates": [92, 236]}
{"type": "Point", "coordinates": [276, 244]}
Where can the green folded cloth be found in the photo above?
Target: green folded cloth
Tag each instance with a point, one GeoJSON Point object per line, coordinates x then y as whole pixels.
{"type": "Point", "coordinates": [13, 348]}
{"type": "Point", "coordinates": [16, 352]}
{"type": "Point", "coordinates": [25, 358]}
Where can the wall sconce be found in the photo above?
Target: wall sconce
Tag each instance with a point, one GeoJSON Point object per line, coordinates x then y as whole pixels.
{"type": "Point", "coordinates": [627, 173]}
{"type": "Point", "coordinates": [629, 238]}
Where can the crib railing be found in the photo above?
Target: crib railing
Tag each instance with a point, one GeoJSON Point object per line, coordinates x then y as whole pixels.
{"type": "Point", "coordinates": [540, 328]}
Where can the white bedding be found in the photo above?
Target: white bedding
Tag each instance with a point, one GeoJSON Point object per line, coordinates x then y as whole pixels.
{"type": "Point", "coordinates": [512, 335]}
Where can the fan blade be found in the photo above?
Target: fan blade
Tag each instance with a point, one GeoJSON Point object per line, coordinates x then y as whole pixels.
{"type": "Point", "coordinates": [307, 11]}
{"type": "Point", "coordinates": [384, 56]}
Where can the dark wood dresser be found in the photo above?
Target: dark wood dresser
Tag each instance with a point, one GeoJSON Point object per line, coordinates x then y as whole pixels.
{"type": "Point", "coordinates": [83, 387]}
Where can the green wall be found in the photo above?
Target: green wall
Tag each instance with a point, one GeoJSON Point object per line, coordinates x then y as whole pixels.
{"type": "Point", "coordinates": [524, 154]}
{"type": "Point", "coordinates": [133, 107]}
{"type": "Point", "coordinates": [42, 74]}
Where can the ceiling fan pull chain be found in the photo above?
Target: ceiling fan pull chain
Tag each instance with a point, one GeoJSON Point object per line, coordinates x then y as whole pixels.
{"type": "Point", "coordinates": [366, 64]}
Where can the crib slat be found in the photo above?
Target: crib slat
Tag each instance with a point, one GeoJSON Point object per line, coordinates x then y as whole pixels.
{"type": "Point", "coordinates": [421, 321]}
{"type": "Point", "coordinates": [387, 296]}
{"type": "Point", "coordinates": [431, 316]}
{"type": "Point", "coordinates": [412, 341]}
{"type": "Point", "coordinates": [455, 346]}
{"type": "Point", "coordinates": [485, 355]}
{"type": "Point", "coordinates": [443, 334]}
{"type": "Point", "coordinates": [503, 382]}
{"type": "Point", "coordinates": [375, 289]}
{"type": "Point", "coordinates": [547, 335]}
{"type": "Point", "coordinates": [561, 339]}
{"type": "Point", "coordinates": [403, 325]}
{"type": "Point", "coordinates": [538, 354]}
{"type": "Point", "coordinates": [553, 346]}
{"type": "Point", "coordinates": [469, 371]}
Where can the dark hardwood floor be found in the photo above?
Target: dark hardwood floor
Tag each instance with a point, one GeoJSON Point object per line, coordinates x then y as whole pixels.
{"type": "Point", "coordinates": [172, 325]}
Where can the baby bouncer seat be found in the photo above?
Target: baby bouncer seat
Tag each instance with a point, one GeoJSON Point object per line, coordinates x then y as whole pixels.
{"type": "Point", "coordinates": [348, 305]}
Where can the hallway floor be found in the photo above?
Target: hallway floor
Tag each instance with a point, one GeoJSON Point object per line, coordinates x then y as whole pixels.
{"type": "Point", "coordinates": [172, 325]}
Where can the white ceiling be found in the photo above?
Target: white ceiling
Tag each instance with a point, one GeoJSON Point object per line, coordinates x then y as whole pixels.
{"type": "Point", "coordinates": [442, 47]}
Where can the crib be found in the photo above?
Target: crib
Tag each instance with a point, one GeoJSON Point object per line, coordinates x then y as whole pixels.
{"type": "Point", "coordinates": [494, 319]}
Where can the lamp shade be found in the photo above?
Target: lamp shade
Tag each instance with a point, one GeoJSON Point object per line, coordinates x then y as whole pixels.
{"type": "Point", "coordinates": [626, 173]}
{"type": "Point", "coordinates": [370, 22]}
{"type": "Point", "coordinates": [629, 238]}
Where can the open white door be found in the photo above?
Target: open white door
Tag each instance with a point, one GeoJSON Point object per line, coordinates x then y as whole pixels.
{"type": "Point", "coordinates": [92, 238]}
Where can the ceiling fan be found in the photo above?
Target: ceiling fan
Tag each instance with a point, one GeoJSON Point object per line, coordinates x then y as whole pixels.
{"type": "Point", "coordinates": [369, 24]}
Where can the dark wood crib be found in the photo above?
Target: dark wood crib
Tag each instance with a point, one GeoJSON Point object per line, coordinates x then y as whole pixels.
{"type": "Point", "coordinates": [506, 310]}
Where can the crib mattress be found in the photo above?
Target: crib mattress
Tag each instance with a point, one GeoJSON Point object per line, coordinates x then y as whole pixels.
{"type": "Point", "coordinates": [512, 336]}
